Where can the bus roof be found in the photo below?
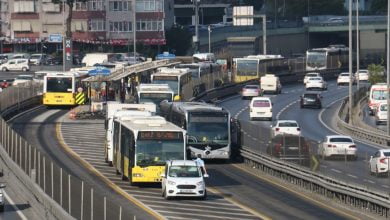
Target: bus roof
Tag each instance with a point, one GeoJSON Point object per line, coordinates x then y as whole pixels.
{"type": "Point", "coordinates": [113, 107]}
{"type": "Point", "coordinates": [128, 114]}
{"type": "Point", "coordinates": [264, 57]}
{"type": "Point", "coordinates": [151, 123]}
{"type": "Point", "coordinates": [60, 73]}
{"type": "Point", "coordinates": [165, 71]}
{"type": "Point", "coordinates": [154, 88]}
{"type": "Point", "coordinates": [195, 106]}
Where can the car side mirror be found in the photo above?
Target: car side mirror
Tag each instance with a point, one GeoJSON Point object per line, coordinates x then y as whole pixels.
{"type": "Point", "coordinates": [162, 175]}
{"type": "Point", "coordinates": [206, 175]}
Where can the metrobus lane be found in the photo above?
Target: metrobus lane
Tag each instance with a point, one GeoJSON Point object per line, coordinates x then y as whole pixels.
{"type": "Point", "coordinates": [85, 140]}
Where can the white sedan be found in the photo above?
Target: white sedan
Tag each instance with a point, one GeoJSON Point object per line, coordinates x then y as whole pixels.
{"type": "Point", "coordinates": [308, 75]}
{"type": "Point", "coordinates": [286, 127]}
{"type": "Point", "coordinates": [316, 83]}
{"type": "Point", "coordinates": [379, 163]}
{"type": "Point", "coordinates": [362, 75]}
{"type": "Point", "coordinates": [343, 79]}
{"type": "Point", "coordinates": [337, 145]}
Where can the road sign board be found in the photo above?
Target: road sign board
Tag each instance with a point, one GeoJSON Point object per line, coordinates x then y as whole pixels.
{"type": "Point", "coordinates": [55, 38]}
{"type": "Point", "coordinates": [246, 12]}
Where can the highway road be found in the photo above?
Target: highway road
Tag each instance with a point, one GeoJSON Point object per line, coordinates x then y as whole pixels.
{"type": "Point", "coordinates": [315, 125]}
{"type": "Point", "coordinates": [232, 186]}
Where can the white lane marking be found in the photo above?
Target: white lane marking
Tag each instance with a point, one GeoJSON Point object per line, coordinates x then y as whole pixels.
{"type": "Point", "coordinates": [334, 170]}
{"type": "Point", "coordinates": [385, 186]}
{"type": "Point", "coordinates": [179, 217]}
{"type": "Point", "coordinates": [25, 112]}
{"type": "Point", "coordinates": [334, 131]}
{"type": "Point", "coordinates": [197, 214]}
{"type": "Point", "coordinates": [350, 175]}
{"type": "Point", "coordinates": [323, 166]}
{"type": "Point", "coordinates": [12, 203]}
{"type": "Point", "coordinates": [196, 209]}
{"type": "Point", "coordinates": [370, 181]}
{"type": "Point", "coordinates": [42, 117]}
{"type": "Point", "coordinates": [285, 108]}
{"type": "Point", "coordinates": [202, 205]}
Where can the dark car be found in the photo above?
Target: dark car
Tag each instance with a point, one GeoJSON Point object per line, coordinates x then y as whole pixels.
{"type": "Point", "coordinates": [289, 147]}
{"type": "Point", "coordinates": [53, 61]}
{"type": "Point", "coordinates": [5, 83]}
{"type": "Point", "coordinates": [311, 100]}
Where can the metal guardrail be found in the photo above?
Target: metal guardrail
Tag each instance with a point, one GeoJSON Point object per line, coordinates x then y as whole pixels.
{"type": "Point", "coordinates": [353, 130]}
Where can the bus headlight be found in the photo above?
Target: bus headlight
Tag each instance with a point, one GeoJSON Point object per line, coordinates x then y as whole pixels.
{"type": "Point", "coordinates": [137, 175]}
{"type": "Point", "coordinates": [171, 183]}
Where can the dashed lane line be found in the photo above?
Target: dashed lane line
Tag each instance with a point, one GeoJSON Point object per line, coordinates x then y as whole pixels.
{"type": "Point", "coordinates": [334, 170]}
{"type": "Point", "coordinates": [350, 175]}
{"type": "Point", "coordinates": [201, 215]}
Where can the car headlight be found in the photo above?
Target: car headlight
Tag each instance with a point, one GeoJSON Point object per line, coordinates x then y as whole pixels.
{"type": "Point", "coordinates": [171, 183]}
{"type": "Point", "coordinates": [200, 183]}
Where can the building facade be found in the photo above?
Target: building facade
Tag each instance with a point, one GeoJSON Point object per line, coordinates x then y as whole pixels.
{"type": "Point", "coordinates": [30, 24]}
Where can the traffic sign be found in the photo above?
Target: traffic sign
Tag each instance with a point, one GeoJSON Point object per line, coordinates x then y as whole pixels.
{"type": "Point", "coordinates": [55, 38]}
{"type": "Point", "coordinates": [165, 55]}
{"type": "Point", "coordinates": [247, 15]}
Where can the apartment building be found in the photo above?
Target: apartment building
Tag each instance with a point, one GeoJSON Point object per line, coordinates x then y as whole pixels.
{"type": "Point", "coordinates": [30, 24]}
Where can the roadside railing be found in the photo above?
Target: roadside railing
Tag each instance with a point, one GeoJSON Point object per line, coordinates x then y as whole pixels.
{"type": "Point", "coordinates": [58, 192]}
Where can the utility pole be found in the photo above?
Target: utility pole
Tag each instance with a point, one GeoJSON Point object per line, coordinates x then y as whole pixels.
{"type": "Point", "coordinates": [134, 30]}
{"type": "Point", "coordinates": [209, 29]}
{"type": "Point", "coordinates": [350, 61]}
{"type": "Point", "coordinates": [196, 39]}
{"type": "Point", "coordinates": [357, 45]}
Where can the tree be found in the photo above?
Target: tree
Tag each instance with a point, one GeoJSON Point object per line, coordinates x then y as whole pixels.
{"type": "Point", "coordinates": [379, 6]}
{"type": "Point", "coordinates": [178, 39]}
{"type": "Point", "coordinates": [376, 73]}
{"type": "Point", "coordinates": [70, 14]}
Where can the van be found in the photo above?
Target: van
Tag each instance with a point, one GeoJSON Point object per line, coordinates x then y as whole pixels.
{"type": "Point", "coordinates": [378, 94]}
{"type": "Point", "coordinates": [204, 57]}
{"type": "Point", "coordinates": [91, 59]}
{"type": "Point", "coordinates": [271, 84]}
{"type": "Point", "coordinates": [291, 148]}
{"type": "Point", "coordinates": [260, 107]}
{"type": "Point", "coordinates": [381, 114]}
{"type": "Point", "coordinates": [15, 64]}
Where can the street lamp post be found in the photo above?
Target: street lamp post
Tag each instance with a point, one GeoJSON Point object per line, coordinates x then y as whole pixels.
{"type": "Point", "coordinates": [357, 44]}
{"type": "Point", "coordinates": [388, 66]}
{"type": "Point", "coordinates": [209, 29]}
{"type": "Point", "coordinates": [350, 60]}
{"type": "Point", "coordinates": [196, 25]}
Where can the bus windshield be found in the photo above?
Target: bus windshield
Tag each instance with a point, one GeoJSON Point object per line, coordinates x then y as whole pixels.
{"type": "Point", "coordinates": [379, 95]}
{"type": "Point", "coordinates": [172, 82]}
{"type": "Point", "coordinates": [156, 98]}
{"type": "Point", "coordinates": [59, 84]}
{"type": "Point", "coordinates": [247, 67]}
{"type": "Point", "coordinates": [195, 69]}
{"type": "Point", "coordinates": [154, 148]}
{"type": "Point", "coordinates": [316, 59]}
{"type": "Point", "coordinates": [208, 128]}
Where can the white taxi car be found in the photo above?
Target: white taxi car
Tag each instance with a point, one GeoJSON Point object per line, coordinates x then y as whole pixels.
{"type": "Point", "coordinates": [362, 75]}
{"type": "Point", "coordinates": [316, 83]}
{"type": "Point", "coordinates": [286, 127]}
{"type": "Point", "coordinates": [260, 107]}
{"type": "Point", "coordinates": [379, 163]}
{"type": "Point", "coordinates": [343, 79]}
{"type": "Point", "coordinates": [337, 145]}
{"type": "Point", "coordinates": [183, 178]}
{"type": "Point", "coordinates": [308, 75]}
{"type": "Point", "coordinates": [381, 114]}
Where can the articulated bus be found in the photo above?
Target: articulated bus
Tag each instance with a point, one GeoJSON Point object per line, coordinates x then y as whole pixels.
{"type": "Point", "coordinates": [329, 58]}
{"type": "Point", "coordinates": [154, 93]}
{"type": "Point", "coordinates": [208, 127]}
{"type": "Point", "coordinates": [200, 69]}
{"type": "Point", "coordinates": [255, 66]}
{"type": "Point", "coordinates": [142, 145]}
{"type": "Point", "coordinates": [59, 89]}
{"type": "Point", "coordinates": [175, 78]}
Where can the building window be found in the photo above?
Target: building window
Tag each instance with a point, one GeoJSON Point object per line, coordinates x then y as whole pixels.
{"type": "Point", "coordinates": [97, 25]}
{"type": "Point", "coordinates": [120, 5]}
{"type": "Point", "coordinates": [121, 26]}
{"type": "Point", "coordinates": [149, 5]}
{"type": "Point", "coordinates": [80, 6]}
{"type": "Point", "coordinates": [96, 5]}
{"type": "Point", "coordinates": [150, 25]}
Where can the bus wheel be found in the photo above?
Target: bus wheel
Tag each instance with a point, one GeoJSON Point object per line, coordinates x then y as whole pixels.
{"type": "Point", "coordinates": [123, 177]}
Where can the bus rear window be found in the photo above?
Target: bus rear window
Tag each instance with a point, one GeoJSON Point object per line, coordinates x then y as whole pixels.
{"type": "Point", "coordinates": [55, 84]}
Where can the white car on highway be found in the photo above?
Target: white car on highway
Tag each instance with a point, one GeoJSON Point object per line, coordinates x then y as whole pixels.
{"type": "Point", "coordinates": [379, 163]}
{"type": "Point", "coordinates": [316, 83]}
{"type": "Point", "coordinates": [381, 114]}
{"type": "Point", "coordinates": [23, 80]}
{"type": "Point", "coordinates": [308, 75]}
{"type": "Point", "coordinates": [183, 178]}
{"type": "Point", "coordinates": [286, 127]}
{"type": "Point", "coordinates": [337, 145]}
{"type": "Point", "coordinates": [15, 64]}
{"type": "Point", "coordinates": [249, 91]}
{"type": "Point", "coordinates": [362, 75]}
{"type": "Point", "coordinates": [343, 79]}
{"type": "Point", "coordinates": [260, 107]}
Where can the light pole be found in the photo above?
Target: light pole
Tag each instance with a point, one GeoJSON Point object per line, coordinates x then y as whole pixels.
{"type": "Point", "coordinates": [388, 66]}
{"type": "Point", "coordinates": [196, 41]}
{"type": "Point", "coordinates": [134, 30]}
{"type": "Point", "coordinates": [350, 60]}
{"type": "Point", "coordinates": [357, 45]}
{"type": "Point", "coordinates": [209, 29]}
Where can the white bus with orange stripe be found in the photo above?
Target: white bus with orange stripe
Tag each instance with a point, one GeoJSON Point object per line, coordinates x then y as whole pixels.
{"type": "Point", "coordinates": [377, 96]}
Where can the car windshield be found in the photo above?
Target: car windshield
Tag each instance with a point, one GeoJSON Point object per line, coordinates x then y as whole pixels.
{"type": "Point", "coordinates": [311, 96]}
{"type": "Point", "coordinates": [315, 79]}
{"type": "Point", "coordinates": [341, 139]}
{"type": "Point", "coordinates": [387, 154]}
{"type": "Point", "coordinates": [261, 103]}
{"type": "Point", "coordinates": [251, 87]}
{"type": "Point", "coordinates": [184, 171]}
{"type": "Point", "coordinates": [383, 107]}
{"type": "Point", "coordinates": [344, 74]}
{"type": "Point", "coordinates": [288, 124]}
{"type": "Point", "coordinates": [35, 57]}
{"type": "Point", "coordinates": [311, 74]}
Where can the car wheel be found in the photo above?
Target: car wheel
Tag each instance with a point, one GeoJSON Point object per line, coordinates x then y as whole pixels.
{"type": "Point", "coordinates": [319, 106]}
{"type": "Point", "coordinates": [376, 172]}
{"type": "Point", "coordinates": [204, 197]}
{"type": "Point", "coordinates": [166, 196]}
{"type": "Point", "coordinates": [24, 69]}
{"type": "Point", "coordinates": [2, 208]}
{"type": "Point", "coordinates": [4, 69]}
